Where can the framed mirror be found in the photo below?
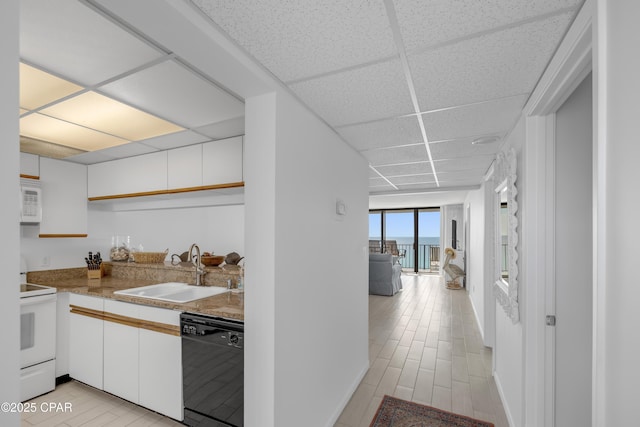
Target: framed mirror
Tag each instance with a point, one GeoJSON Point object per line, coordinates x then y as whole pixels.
{"type": "Point", "coordinates": [506, 234]}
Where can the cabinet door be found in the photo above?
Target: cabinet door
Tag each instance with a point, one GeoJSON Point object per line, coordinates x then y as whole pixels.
{"type": "Point", "coordinates": [64, 197]}
{"type": "Point", "coordinates": [120, 350]}
{"type": "Point", "coordinates": [62, 334]}
{"type": "Point", "coordinates": [140, 174]}
{"type": "Point", "coordinates": [161, 364]}
{"type": "Point", "coordinates": [222, 161]}
{"type": "Point", "coordinates": [185, 167]}
{"type": "Point", "coordinates": [85, 340]}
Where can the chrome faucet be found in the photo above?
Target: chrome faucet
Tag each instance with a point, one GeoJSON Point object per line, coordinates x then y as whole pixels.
{"type": "Point", "coordinates": [197, 263]}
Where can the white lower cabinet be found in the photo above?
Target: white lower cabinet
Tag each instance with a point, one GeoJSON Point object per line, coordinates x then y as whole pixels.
{"type": "Point", "coordinates": [121, 351]}
{"type": "Point", "coordinates": [86, 339]}
{"type": "Point", "coordinates": [161, 364]}
{"type": "Point", "coordinates": [132, 351]}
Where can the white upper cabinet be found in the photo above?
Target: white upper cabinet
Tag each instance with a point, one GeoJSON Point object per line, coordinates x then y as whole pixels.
{"type": "Point", "coordinates": [64, 197]}
{"type": "Point", "coordinates": [222, 161]}
{"type": "Point", "coordinates": [185, 167]}
{"type": "Point", "coordinates": [29, 164]}
{"type": "Point", "coordinates": [199, 165]}
{"type": "Point", "coordinates": [140, 174]}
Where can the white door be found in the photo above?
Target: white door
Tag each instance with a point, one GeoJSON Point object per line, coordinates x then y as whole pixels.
{"type": "Point", "coordinates": [573, 258]}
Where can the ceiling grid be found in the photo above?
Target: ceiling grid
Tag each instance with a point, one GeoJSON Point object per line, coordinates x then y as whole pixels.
{"type": "Point", "coordinates": [413, 85]}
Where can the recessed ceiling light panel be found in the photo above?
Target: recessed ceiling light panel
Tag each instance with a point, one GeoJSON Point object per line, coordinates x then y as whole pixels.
{"type": "Point", "coordinates": [38, 88]}
{"type": "Point", "coordinates": [107, 115]}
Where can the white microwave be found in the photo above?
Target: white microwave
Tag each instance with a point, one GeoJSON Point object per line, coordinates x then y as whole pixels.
{"type": "Point", "coordinates": [30, 202]}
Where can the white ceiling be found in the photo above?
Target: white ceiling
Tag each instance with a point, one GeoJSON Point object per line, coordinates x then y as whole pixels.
{"type": "Point", "coordinates": [376, 71]}
{"type": "Point", "coordinates": [74, 41]}
{"type": "Point", "coordinates": [372, 69]}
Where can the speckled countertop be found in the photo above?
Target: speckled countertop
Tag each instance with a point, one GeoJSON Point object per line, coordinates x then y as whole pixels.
{"type": "Point", "coordinates": [120, 276]}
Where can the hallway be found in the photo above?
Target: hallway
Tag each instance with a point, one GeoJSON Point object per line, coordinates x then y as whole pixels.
{"type": "Point", "coordinates": [425, 346]}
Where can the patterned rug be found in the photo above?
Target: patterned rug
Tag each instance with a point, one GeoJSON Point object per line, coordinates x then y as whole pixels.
{"type": "Point", "coordinates": [395, 412]}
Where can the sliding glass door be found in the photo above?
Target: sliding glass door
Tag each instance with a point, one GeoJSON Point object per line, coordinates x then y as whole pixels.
{"type": "Point", "coordinates": [411, 235]}
{"type": "Point", "coordinates": [399, 232]}
{"type": "Point", "coordinates": [428, 239]}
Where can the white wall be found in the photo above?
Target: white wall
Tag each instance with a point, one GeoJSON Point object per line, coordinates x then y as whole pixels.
{"type": "Point", "coordinates": [217, 228]}
{"type": "Point", "coordinates": [9, 181]}
{"type": "Point", "coordinates": [508, 351]}
{"type": "Point", "coordinates": [618, 204]}
{"type": "Point", "coordinates": [476, 256]}
{"type": "Point", "coordinates": [309, 313]}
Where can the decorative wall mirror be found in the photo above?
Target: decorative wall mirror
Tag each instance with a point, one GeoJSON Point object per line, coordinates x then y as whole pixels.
{"type": "Point", "coordinates": [506, 237]}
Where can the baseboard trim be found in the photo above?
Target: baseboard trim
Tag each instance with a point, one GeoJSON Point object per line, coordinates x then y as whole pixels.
{"type": "Point", "coordinates": [347, 397]}
{"type": "Point", "coordinates": [496, 378]}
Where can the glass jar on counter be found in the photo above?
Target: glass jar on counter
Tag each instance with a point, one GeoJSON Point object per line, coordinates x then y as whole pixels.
{"type": "Point", "coordinates": [120, 248]}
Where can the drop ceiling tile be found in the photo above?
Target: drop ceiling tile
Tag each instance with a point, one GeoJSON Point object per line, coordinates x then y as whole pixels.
{"type": "Point", "coordinates": [465, 163]}
{"type": "Point", "coordinates": [486, 118]}
{"type": "Point", "coordinates": [369, 93]}
{"type": "Point", "coordinates": [460, 178]}
{"type": "Point", "coordinates": [102, 113]}
{"type": "Point", "coordinates": [377, 182]}
{"type": "Point", "coordinates": [429, 22]}
{"type": "Point", "coordinates": [381, 188]}
{"type": "Point", "coordinates": [91, 157]}
{"type": "Point", "coordinates": [426, 178]}
{"type": "Point", "coordinates": [393, 155]}
{"type": "Point", "coordinates": [70, 39]}
{"type": "Point", "coordinates": [38, 88]}
{"type": "Point", "coordinates": [496, 65]}
{"type": "Point", "coordinates": [463, 148]}
{"type": "Point", "coordinates": [223, 129]}
{"type": "Point", "coordinates": [175, 140]}
{"type": "Point", "coordinates": [298, 39]}
{"type": "Point", "coordinates": [383, 133]}
{"type": "Point", "coordinates": [46, 128]}
{"type": "Point", "coordinates": [129, 150]}
{"type": "Point", "coordinates": [170, 91]}
{"type": "Point", "coordinates": [418, 186]}
{"type": "Point", "coordinates": [46, 149]}
{"type": "Point", "coordinates": [405, 169]}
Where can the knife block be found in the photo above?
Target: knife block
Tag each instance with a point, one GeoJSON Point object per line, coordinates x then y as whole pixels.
{"type": "Point", "coordinates": [95, 274]}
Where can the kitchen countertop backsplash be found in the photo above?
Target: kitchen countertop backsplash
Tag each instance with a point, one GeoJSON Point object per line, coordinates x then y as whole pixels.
{"type": "Point", "coordinates": [131, 275]}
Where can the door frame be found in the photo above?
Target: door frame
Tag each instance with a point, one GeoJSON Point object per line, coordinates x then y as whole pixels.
{"type": "Point", "coordinates": [570, 65]}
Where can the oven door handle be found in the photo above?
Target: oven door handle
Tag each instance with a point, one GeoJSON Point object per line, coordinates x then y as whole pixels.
{"type": "Point", "coordinates": [37, 300]}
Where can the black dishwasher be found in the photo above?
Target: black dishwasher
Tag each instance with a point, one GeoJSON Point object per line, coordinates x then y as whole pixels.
{"type": "Point", "coordinates": [212, 371]}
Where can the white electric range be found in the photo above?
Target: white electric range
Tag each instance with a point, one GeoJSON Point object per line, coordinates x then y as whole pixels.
{"type": "Point", "coordinates": [37, 339]}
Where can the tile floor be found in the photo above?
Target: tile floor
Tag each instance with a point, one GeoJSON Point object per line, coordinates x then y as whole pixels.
{"type": "Point", "coordinates": [91, 407]}
{"type": "Point", "coordinates": [425, 346]}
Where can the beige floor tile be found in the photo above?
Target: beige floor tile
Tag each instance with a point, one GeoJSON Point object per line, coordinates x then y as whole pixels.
{"type": "Point", "coordinates": [376, 371]}
{"type": "Point", "coordinates": [423, 390]}
{"type": "Point", "coordinates": [444, 350]}
{"type": "Point", "coordinates": [409, 374]}
{"type": "Point", "coordinates": [388, 382]}
{"type": "Point", "coordinates": [461, 398]}
{"type": "Point", "coordinates": [358, 404]}
{"type": "Point", "coordinates": [415, 351]}
{"type": "Point", "coordinates": [443, 373]}
{"type": "Point", "coordinates": [441, 398]}
{"type": "Point", "coordinates": [428, 360]}
{"type": "Point", "coordinates": [399, 356]}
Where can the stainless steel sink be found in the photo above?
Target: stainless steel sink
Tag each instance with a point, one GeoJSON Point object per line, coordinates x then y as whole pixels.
{"type": "Point", "coordinates": [173, 292]}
